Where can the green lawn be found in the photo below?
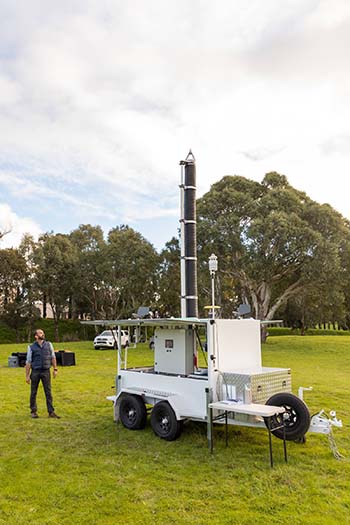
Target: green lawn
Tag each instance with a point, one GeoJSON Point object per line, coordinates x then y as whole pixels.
{"type": "Point", "coordinates": [85, 469]}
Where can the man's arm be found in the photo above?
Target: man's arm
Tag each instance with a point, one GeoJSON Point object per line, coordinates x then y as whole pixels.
{"type": "Point", "coordinates": [53, 361]}
{"type": "Point", "coordinates": [28, 364]}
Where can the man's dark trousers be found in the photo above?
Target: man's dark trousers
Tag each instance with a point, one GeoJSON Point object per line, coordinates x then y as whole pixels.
{"type": "Point", "coordinates": [35, 378]}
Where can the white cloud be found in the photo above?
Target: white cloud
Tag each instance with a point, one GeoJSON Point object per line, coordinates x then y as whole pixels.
{"type": "Point", "coordinates": [99, 101]}
{"type": "Point", "coordinates": [16, 226]}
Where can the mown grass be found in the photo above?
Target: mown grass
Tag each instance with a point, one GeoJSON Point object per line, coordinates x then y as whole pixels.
{"type": "Point", "coordinates": [85, 469]}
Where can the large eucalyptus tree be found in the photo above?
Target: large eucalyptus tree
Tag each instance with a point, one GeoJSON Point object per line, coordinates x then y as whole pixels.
{"type": "Point", "coordinates": [55, 260]}
{"type": "Point", "coordinates": [273, 241]}
{"type": "Point", "coordinates": [132, 271]}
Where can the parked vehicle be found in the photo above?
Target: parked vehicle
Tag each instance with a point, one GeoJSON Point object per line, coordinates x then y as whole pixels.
{"type": "Point", "coordinates": [109, 339]}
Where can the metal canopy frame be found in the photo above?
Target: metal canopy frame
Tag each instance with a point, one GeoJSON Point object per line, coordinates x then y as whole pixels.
{"type": "Point", "coordinates": [150, 322]}
{"type": "Point", "coordinates": [171, 321]}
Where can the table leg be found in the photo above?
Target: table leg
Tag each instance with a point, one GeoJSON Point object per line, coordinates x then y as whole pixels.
{"type": "Point", "coordinates": [270, 441]}
{"type": "Point", "coordinates": [226, 428]}
{"type": "Point", "coordinates": [284, 441]}
{"type": "Point", "coordinates": [209, 421]}
{"type": "Point", "coordinates": [211, 430]}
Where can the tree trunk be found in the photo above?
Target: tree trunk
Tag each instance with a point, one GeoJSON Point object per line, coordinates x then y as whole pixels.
{"type": "Point", "coordinates": [44, 306]}
{"type": "Point", "coordinates": [70, 307]}
{"type": "Point", "coordinates": [57, 336]}
{"type": "Point", "coordinates": [29, 331]}
{"type": "Point", "coordinates": [302, 322]}
{"type": "Point", "coordinates": [56, 317]}
{"type": "Point", "coordinates": [263, 333]}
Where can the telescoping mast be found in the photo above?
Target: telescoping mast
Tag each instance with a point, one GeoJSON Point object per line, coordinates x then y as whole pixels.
{"type": "Point", "coordinates": [188, 223]}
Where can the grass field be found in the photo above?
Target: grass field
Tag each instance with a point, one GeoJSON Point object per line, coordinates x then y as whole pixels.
{"type": "Point", "coordinates": [85, 469]}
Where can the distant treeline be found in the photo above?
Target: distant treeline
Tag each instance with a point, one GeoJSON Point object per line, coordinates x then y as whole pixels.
{"type": "Point", "coordinates": [284, 254]}
{"type": "Point", "coordinates": [69, 330]}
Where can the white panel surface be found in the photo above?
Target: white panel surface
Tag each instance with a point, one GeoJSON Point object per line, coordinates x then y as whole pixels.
{"type": "Point", "coordinates": [187, 396]}
{"type": "Point", "coordinates": [237, 344]}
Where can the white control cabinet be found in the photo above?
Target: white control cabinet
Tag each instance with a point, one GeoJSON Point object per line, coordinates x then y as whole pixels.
{"type": "Point", "coordinates": [174, 350]}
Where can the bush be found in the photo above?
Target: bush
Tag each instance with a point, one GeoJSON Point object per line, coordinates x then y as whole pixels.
{"type": "Point", "coordinates": [7, 334]}
{"type": "Point", "coordinates": [69, 330]}
{"type": "Point", "coordinates": [277, 330]}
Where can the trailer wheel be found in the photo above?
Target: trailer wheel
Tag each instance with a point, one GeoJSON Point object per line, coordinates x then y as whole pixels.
{"type": "Point", "coordinates": [132, 412]}
{"type": "Point", "coordinates": [164, 422]}
{"type": "Point", "coordinates": [296, 418]}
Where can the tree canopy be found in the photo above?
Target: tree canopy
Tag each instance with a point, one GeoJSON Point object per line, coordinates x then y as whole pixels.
{"type": "Point", "coordinates": [273, 241]}
{"type": "Point", "coordinates": [280, 251]}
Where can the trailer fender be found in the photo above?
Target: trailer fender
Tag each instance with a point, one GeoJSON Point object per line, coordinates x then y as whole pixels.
{"type": "Point", "coordinates": [175, 402]}
{"type": "Point", "coordinates": [114, 399]}
{"type": "Point", "coordinates": [115, 407]}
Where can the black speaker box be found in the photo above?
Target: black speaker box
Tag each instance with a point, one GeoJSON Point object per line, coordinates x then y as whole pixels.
{"type": "Point", "coordinates": [64, 358]}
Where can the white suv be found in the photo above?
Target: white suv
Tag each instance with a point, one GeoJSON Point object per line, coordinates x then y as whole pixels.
{"type": "Point", "coordinates": [109, 339]}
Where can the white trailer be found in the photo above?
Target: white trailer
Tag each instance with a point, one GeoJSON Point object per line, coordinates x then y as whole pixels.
{"type": "Point", "coordinates": [175, 388]}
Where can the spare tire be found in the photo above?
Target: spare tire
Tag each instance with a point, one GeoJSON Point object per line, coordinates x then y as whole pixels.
{"type": "Point", "coordinates": [296, 417]}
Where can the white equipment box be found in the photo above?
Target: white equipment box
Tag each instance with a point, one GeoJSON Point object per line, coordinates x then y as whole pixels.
{"type": "Point", "coordinates": [173, 351]}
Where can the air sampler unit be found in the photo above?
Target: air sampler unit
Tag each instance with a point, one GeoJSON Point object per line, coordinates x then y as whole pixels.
{"type": "Point", "coordinates": [175, 388]}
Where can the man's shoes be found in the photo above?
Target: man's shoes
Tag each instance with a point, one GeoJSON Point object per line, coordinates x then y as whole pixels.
{"type": "Point", "coordinates": [34, 415]}
{"type": "Point", "coordinates": [54, 415]}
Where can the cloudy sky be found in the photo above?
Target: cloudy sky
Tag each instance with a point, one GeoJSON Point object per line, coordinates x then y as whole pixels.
{"type": "Point", "coordinates": [100, 100]}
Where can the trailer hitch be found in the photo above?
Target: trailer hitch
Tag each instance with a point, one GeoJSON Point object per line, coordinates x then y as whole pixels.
{"type": "Point", "coordinates": [321, 423]}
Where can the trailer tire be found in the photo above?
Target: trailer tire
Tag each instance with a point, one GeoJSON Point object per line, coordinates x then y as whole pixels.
{"type": "Point", "coordinates": [164, 422]}
{"type": "Point", "coordinates": [296, 417]}
{"type": "Point", "coordinates": [132, 412]}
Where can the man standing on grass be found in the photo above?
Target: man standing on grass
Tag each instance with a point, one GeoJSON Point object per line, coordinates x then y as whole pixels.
{"type": "Point", "coordinates": [40, 357]}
